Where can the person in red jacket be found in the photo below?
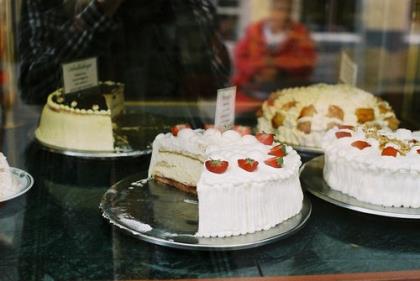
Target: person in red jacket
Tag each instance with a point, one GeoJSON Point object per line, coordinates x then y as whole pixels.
{"type": "Point", "coordinates": [274, 53]}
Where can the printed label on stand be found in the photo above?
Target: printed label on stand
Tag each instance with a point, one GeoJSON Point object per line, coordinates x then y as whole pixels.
{"type": "Point", "coordinates": [348, 70]}
{"type": "Point", "coordinates": [225, 109]}
{"type": "Point", "coordinates": [80, 75]}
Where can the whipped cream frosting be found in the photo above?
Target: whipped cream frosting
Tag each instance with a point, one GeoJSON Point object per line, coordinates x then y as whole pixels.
{"type": "Point", "coordinates": [229, 146]}
{"type": "Point", "coordinates": [235, 202]}
{"type": "Point", "coordinates": [321, 97]}
{"type": "Point", "coordinates": [370, 157]}
{"type": "Point", "coordinates": [368, 175]}
{"type": "Point", "coordinates": [7, 187]}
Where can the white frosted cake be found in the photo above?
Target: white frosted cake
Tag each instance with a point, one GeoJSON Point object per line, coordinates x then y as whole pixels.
{"type": "Point", "coordinates": [6, 187]}
{"type": "Point", "coordinates": [243, 185]}
{"type": "Point", "coordinates": [83, 120]}
{"type": "Point", "coordinates": [374, 166]}
{"type": "Point", "coordinates": [301, 116]}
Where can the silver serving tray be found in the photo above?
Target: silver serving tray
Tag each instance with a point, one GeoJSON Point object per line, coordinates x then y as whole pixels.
{"type": "Point", "coordinates": [94, 154]}
{"type": "Point", "coordinates": [22, 182]}
{"type": "Point", "coordinates": [313, 181]}
{"type": "Point", "coordinates": [165, 216]}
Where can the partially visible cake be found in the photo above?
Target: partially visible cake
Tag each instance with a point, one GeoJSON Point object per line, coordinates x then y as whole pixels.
{"type": "Point", "coordinates": [82, 120]}
{"type": "Point", "coordinates": [244, 184]}
{"type": "Point", "coordinates": [6, 187]}
{"type": "Point", "coordinates": [301, 116]}
{"type": "Point", "coordinates": [375, 166]}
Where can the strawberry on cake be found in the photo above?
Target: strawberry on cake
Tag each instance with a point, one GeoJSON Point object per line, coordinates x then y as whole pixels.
{"type": "Point", "coordinates": [244, 183]}
{"type": "Point", "coordinates": [375, 166]}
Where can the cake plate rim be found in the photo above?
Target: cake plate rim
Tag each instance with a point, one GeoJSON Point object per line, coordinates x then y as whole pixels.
{"type": "Point", "coordinates": [20, 177]}
{"type": "Point", "coordinates": [326, 193]}
{"type": "Point", "coordinates": [92, 154]}
{"type": "Point", "coordinates": [304, 213]}
{"type": "Point", "coordinates": [308, 149]}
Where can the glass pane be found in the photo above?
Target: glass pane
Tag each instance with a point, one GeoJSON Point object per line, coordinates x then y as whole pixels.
{"type": "Point", "coordinates": [160, 63]}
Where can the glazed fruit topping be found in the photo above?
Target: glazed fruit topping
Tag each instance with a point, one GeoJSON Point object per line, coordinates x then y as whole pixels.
{"type": "Point", "coordinates": [360, 144]}
{"type": "Point", "coordinates": [307, 111]}
{"type": "Point", "coordinates": [343, 127]}
{"type": "Point", "coordinates": [275, 162]}
{"type": "Point", "coordinates": [341, 134]}
{"type": "Point", "coordinates": [217, 166]}
{"type": "Point", "coordinates": [418, 151]}
{"type": "Point", "coordinates": [175, 129]}
{"type": "Point", "coordinates": [264, 138]}
{"type": "Point", "coordinates": [390, 151]}
{"type": "Point", "coordinates": [248, 164]}
{"type": "Point", "coordinates": [278, 150]}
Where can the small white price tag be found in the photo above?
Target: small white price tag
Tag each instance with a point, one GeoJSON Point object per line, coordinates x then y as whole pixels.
{"type": "Point", "coordinates": [225, 108]}
{"type": "Point", "coordinates": [80, 75]}
{"type": "Point", "coordinates": [348, 70]}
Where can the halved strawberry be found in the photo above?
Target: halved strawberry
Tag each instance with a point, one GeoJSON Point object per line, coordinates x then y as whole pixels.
{"type": "Point", "coordinates": [242, 130]}
{"type": "Point", "coordinates": [418, 151]}
{"type": "Point", "coordinates": [175, 129]}
{"type": "Point", "coordinates": [217, 166]}
{"type": "Point", "coordinates": [278, 150]}
{"type": "Point", "coordinates": [248, 164]}
{"type": "Point", "coordinates": [389, 151]}
{"type": "Point", "coordinates": [264, 138]}
{"type": "Point", "coordinates": [341, 134]}
{"type": "Point", "coordinates": [348, 127]}
{"type": "Point", "coordinates": [360, 144]}
{"type": "Point", "coordinates": [275, 162]}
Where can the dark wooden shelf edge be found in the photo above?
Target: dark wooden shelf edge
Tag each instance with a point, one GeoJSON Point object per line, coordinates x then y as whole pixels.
{"type": "Point", "coordinates": [372, 276]}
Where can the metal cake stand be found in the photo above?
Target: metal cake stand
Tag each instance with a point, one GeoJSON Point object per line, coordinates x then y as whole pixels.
{"type": "Point", "coordinates": [313, 181]}
{"type": "Point", "coordinates": [165, 216]}
{"type": "Point", "coordinates": [22, 182]}
{"type": "Point", "coordinates": [134, 133]}
{"type": "Point", "coordinates": [117, 153]}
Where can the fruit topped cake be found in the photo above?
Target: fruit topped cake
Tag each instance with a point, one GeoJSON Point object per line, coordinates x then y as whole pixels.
{"type": "Point", "coordinates": [243, 183]}
{"type": "Point", "coordinates": [82, 120]}
{"type": "Point", "coordinates": [374, 166]}
{"type": "Point", "coordinates": [301, 116]}
{"type": "Point", "coordinates": [6, 187]}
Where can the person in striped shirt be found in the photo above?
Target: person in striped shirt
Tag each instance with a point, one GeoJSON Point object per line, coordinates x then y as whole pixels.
{"type": "Point", "coordinates": [160, 49]}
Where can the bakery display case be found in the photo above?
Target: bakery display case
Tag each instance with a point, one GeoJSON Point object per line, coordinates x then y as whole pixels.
{"type": "Point", "coordinates": [172, 139]}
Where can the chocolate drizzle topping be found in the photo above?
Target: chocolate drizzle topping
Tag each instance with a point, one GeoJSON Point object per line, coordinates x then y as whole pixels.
{"type": "Point", "coordinates": [92, 98]}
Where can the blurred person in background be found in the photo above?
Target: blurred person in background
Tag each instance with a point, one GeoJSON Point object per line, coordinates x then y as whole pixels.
{"type": "Point", "coordinates": [160, 49]}
{"type": "Point", "coordinates": [274, 53]}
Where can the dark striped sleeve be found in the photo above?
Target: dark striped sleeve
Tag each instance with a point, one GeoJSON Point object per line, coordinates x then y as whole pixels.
{"type": "Point", "coordinates": [48, 38]}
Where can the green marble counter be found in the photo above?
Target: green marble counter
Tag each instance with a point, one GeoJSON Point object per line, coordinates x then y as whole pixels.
{"type": "Point", "coordinates": [56, 231]}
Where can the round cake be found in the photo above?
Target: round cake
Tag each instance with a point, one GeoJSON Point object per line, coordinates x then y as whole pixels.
{"type": "Point", "coordinates": [83, 120]}
{"type": "Point", "coordinates": [375, 166]}
{"type": "Point", "coordinates": [244, 184]}
{"type": "Point", "coordinates": [301, 116]}
{"type": "Point", "coordinates": [6, 184]}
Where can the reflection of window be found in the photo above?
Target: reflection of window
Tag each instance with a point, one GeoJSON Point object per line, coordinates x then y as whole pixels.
{"type": "Point", "coordinates": [329, 15]}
